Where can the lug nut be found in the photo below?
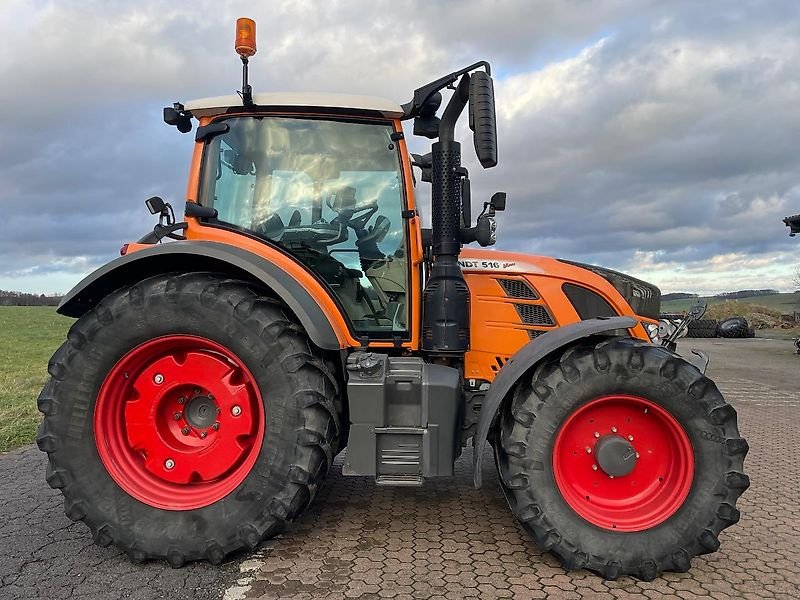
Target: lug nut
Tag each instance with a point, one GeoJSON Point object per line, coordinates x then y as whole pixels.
{"type": "Point", "coordinates": [169, 464]}
{"type": "Point", "coordinates": [630, 438]}
{"type": "Point", "coordinates": [203, 434]}
{"type": "Point", "coordinates": [594, 467]}
{"type": "Point", "coordinates": [158, 379]}
{"type": "Point", "coordinates": [185, 431]}
{"type": "Point", "coordinates": [211, 397]}
{"type": "Point", "coordinates": [637, 455]}
{"type": "Point", "coordinates": [588, 450]}
{"type": "Point", "coordinates": [215, 427]}
{"type": "Point", "coordinates": [181, 399]}
{"type": "Point", "coordinates": [236, 410]}
{"type": "Point", "coordinates": [611, 477]}
{"type": "Point", "coordinates": [645, 411]}
{"type": "Point", "coordinates": [177, 416]}
{"type": "Point", "coordinates": [596, 434]}
{"type": "Point", "coordinates": [613, 430]}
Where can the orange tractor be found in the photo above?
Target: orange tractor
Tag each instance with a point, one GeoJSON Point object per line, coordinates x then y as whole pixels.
{"type": "Point", "coordinates": [302, 308]}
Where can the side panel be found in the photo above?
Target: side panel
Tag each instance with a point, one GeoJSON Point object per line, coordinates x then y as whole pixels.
{"type": "Point", "coordinates": [508, 311]}
{"type": "Point", "coordinates": [306, 299]}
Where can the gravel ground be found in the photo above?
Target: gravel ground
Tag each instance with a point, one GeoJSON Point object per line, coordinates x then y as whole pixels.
{"type": "Point", "coordinates": [443, 540]}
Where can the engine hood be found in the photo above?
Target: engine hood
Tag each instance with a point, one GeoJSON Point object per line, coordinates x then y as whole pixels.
{"type": "Point", "coordinates": [643, 298]}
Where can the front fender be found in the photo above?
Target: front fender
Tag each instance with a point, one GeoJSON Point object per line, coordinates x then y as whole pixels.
{"type": "Point", "coordinates": [521, 362]}
{"type": "Point", "coordinates": [196, 256]}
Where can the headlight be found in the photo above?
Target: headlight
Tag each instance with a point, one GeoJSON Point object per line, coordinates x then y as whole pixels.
{"type": "Point", "coordinates": [652, 331]}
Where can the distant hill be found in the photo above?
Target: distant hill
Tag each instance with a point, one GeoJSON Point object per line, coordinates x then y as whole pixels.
{"type": "Point", "coordinates": [678, 296]}
{"type": "Point", "coordinates": [746, 294]}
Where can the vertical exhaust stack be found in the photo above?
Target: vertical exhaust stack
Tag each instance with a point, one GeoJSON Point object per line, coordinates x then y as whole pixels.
{"type": "Point", "coordinates": [445, 300]}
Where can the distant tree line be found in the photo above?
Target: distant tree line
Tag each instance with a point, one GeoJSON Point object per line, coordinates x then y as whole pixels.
{"type": "Point", "coordinates": [747, 294]}
{"type": "Point", "coordinates": [24, 299]}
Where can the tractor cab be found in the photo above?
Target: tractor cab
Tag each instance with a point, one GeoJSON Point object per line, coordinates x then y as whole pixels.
{"type": "Point", "coordinates": [320, 177]}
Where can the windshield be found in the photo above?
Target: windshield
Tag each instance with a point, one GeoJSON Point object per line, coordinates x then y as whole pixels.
{"type": "Point", "coordinates": [328, 192]}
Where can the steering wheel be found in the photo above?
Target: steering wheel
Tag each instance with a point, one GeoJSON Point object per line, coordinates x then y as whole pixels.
{"type": "Point", "coordinates": [361, 217]}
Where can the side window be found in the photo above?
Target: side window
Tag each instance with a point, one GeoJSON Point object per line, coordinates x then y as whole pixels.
{"type": "Point", "coordinates": [329, 193]}
{"type": "Point", "coordinates": [235, 188]}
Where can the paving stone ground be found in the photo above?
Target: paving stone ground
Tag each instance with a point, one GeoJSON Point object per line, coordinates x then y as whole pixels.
{"type": "Point", "coordinates": [444, 540]}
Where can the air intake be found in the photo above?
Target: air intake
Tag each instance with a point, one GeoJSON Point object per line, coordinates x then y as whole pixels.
{"type": "Point", "coordinates": [534, 314]}
{"type": "Point", "coordinates": [516, 288]}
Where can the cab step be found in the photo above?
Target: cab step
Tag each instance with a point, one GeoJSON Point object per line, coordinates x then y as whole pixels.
{"type": "Point", "coordinates": [399, 480]}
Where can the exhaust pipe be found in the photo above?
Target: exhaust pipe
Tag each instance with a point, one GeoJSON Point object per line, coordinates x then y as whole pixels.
{"type": "Point", "coordinates": [445, 301]}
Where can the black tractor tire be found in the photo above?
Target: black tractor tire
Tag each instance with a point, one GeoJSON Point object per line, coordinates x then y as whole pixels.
{"type": "Point", "coordinates": [545, 400]}
{"type": "Point", "coordinates": [702, 333]}
{"type": "Point", "coordinates": [702, 328]}
{"type": "Point", "coordinates": [300, 423]}
{"type": "Point", "coordinates": [703, 324]}
{"type": "Point", "coordinates": [735, 327]}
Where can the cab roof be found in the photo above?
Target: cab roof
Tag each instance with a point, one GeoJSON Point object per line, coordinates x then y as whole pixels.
{"type": "Point", "coordinates": [330, 102]}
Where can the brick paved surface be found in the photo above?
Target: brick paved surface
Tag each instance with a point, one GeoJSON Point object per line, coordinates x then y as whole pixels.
{"type": "Point", "coordinates": [443, 540]}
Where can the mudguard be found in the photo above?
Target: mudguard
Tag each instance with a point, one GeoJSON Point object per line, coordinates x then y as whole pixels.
{"type": "Point", "coordinates": [523, 360]}
{"type": "Point", "coordinates": [188, 256]}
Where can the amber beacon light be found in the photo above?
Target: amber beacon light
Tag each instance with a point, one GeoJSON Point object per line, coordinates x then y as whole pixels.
{"type": "Point", "coordinates": [245, 37]}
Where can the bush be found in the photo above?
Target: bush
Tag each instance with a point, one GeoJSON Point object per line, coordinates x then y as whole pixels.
{"type": "Point", "coordinates": [759, 317]}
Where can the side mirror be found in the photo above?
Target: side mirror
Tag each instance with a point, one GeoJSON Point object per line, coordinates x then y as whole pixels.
{"type": "Point", "coordinates": [498, 201]}
{"type": "Point", "coordinates": [426, 124]}
{"type": "Point", "coordinates": [155, 205]}
{"type": "Point", "coordinates": [178, 117]}
{"type": "Point", "coordinates": [482, 119]}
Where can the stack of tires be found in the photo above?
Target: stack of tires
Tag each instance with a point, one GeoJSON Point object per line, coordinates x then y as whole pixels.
{"type": "Point", "coordinates": [735, 327]}
{"type": "Point", "coordinates": [703, 328]}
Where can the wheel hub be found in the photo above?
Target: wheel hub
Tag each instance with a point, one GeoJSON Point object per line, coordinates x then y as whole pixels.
{"type": "Point", "coordinates": [615, 455]}
{"type": "Point", "coordinates": [201, 412]}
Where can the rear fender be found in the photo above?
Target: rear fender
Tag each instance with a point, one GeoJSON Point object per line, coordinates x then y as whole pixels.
{"type": "Point", "coordinates": [523, 360]}
{"type": "Point", "coordinates": [197, 256]}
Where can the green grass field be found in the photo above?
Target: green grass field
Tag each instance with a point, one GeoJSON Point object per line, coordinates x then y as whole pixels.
{"type": "Point", "coordinates": [28, 337]}
{"type": "Point", "coordinates": [786, 303]}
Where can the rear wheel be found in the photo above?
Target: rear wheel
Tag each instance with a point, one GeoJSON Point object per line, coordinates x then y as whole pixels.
{"type": "Point", "coordinates": [186, 418]}
{"type": "Point", "coordinates": [621, 458]}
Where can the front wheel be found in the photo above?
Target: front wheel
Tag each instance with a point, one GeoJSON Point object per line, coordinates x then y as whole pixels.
{"type": "Point", "coordinates": [622, 458]}
{"type": "Point", "coordinates": [186, 418]}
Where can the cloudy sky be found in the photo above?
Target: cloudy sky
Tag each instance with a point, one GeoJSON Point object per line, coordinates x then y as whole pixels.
{"type": "Point", "coordinates": [658, 138]}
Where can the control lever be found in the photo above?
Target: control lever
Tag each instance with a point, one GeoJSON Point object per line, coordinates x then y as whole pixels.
{"type": "Point", "coordinates": [695, 313]}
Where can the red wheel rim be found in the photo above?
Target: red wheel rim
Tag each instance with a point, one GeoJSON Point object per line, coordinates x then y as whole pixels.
{"type": "Point", "coordinates": [656, 486]}
{"type": "Point", "coordinates": [179, 422]}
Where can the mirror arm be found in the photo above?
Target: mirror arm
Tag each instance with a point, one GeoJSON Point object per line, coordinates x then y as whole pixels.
{"type": "Point", "coordinates": [423, 94]}
{"type": "Point", "coordinates": [455, 107]}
